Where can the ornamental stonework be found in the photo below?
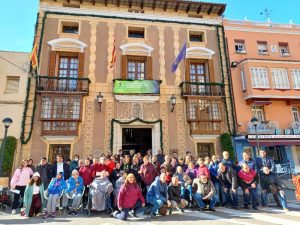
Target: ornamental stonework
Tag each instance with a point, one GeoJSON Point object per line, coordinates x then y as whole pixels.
{"type": "Point", "coordinates": [148, 114]}
{"type": "Point", "coordinates": [109, 114]}
{"type": "Point", "coordinates": [164, 118]}
{"type": "Point", "coordinates": [125, 111]}
{"type": "Point", "coordinates": [92, 48]}
{"type": "Point", "coordinates": [89, 128]}
{"type": "Point", "coordinates": [180, 128]}
{"type": "Point", "coordinates": [162, 66]}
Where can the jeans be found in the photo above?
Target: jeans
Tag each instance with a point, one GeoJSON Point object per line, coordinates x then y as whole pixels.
{"type": "Point", "coordinates": [282, 198]}
{"type": "Point", "coordinates": [124, 212]}
{"type": "Point", "coordinates": [231, 197]}
{"type": "Point", "coordinates": [200, 202]}
{"type": "Point", "coordinates": [157, 203]}
{"type": "Point", "coordinates": [184, 189]}
{"type": "Point", "coordinates": [218, 192]}
{"type": "Point", "coordinates": [254, 196]}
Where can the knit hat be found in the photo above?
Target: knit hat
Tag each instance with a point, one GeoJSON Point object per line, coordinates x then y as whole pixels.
{"type": "Point", "coordinates": [36, 174]}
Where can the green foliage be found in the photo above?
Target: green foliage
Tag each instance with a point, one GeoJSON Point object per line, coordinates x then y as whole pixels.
{"type": "Point", "coordinates": [226, 144]}
{"type": "Point", "coordinates": [10, 148]}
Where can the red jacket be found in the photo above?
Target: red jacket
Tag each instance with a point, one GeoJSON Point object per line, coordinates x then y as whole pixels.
{"type": "Point", "coordinates": [98, 168]}
{"type": "Point", "coordinates": [110, 166]}
{"type": "Point", "coordinates": [148, 173]}
{"type": "Point", "coordinates": [129, 194]}
{"type": "Point", "coordinates": [86, 173]}
{"type": "Point", "coordinates": [203, 171]}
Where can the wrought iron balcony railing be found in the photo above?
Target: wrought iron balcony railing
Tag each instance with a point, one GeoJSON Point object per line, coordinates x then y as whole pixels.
{"type": "Point", "coordinates": [63, 85]}
{"type": "Point", "coordinates": [264, 127]}
{"type": "Point", "coordinates": [202, 89]}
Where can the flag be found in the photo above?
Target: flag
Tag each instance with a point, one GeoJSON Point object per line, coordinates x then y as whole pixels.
{"type": "Point", "coordinates": [178, 59]}
{"type": "Point", "coordinates": [33, 56]}
{"type": "Point", "coordinates": [113, 55]}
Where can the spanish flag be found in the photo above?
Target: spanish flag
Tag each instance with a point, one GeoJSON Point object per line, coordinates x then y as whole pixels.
{"type": "Point", "coordinates": [34, 56]}
{"type": "Point", "coordinates": [113, 55]}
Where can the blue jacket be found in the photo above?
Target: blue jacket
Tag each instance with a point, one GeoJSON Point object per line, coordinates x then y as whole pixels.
{"type": "Point", "coordinates": [228, 163]}
{"type": "Point", "coordinates": [269, 162]}
{"type": "Point", "coordinates": [158, 190]}
{"type": "Point", "coordinates": [213, 169]}
{"type": "Point", "coordinates": [56, 186]}
{"type": "Point", "coordinates": [71, 185]}
{"type": "Point", "coordinates": [250, 163]}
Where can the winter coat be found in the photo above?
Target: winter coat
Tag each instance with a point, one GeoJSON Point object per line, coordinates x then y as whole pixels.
{"type": "Point", "coordinates": [203, 170]}
{"type": "Point", "coordinates": [192, 173]}
{"type": "Point", "coordinates": [71, 185]}
{"type": "Point", "coordinates": [115, 175]}
{"type": "Point", "coordinates": [228, 163]}
{"type": "Point", "coordinates": [250, 163]}
{"type": "Point", "coordinates": [21, 177]}
{"type": "Point", "coordinates": [110, 166]}
{"type": "Point", "coordinates": [66, 169]}
{"type": "Point", "coordinates": [126, 167]}
{"type": "Point", "coordinates": [183, 166]}
{"type": "Point", "coordinates": [128, 196]}
{"type": "Point", "coordinates": [205, 189]}
{"type": "Point", "coordinates": [228, 177]}
{"type": "Point", "coordinates": [27, 200]}
{"type": "Point", "coordinates": [56, 186]}
{"type": "Point", "coordinates": [213, 170]}
{"type": "Point", "coordinates": [73, 165]}
{"type": "Point", "coordinates": [45, 173]}
{"type": "Point", "coordinates": [169, 167]}
{"type": "Point", "coordinates": [246, 179]}
{"type": "Point", "coordinates": [174, 193]}
{"type": "Point", "coordinates": [160, 158]}
{"type": "Point", "coordinates": [148, 173]}
{"type": "Point", "coordinates": [98, 168]}
{"type": "Point", "coordinates": [157, 166]}
{"type": "Point", "coordinates": [158, 190]}
{"type": "Point", "coordinates": [87, 174]}
{"type": "Point", "coordinates": [269, 179]}
{"type": "Point", "coordinates": [135, 168]}
{"type": "Point", "coordinates": [269, 162]}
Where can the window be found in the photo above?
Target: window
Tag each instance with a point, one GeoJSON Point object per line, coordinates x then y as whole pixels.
{"type": "Point", "coordinates": [280, 78]}
{"type": "Point", "coordinates": [296, 78]}
{"type": "Point", "coordinates": [240, 46]}
{"type": "Point", "coordinates": [284, 49]}
{"type": "Point", "coordinates": [68, 68]}
{"type": "Point", "coordinates": [196, 36]}
{"type": "Point", "coordinates": [262, 47]}
{"type": "Point", "coordinates": [197, 74]}
{"type": "Point", "coordinates": [259, 77]}
{"type": "Point", "coordinates": [243, 79]}
{"type": "Point", "coordinates": [70, 27]}
{"type": "Point", "coordinates": [295, 113]}
{"type": "Point", "coordinates": [136, 32]}
{"type": "Point", "coordinates": [12, 84]}
{"type": "Point", "coordinates": [136, 69]}
{"type": "Point", "coordinates": [258, 112]}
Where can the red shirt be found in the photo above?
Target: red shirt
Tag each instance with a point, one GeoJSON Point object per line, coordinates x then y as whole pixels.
{"type": "Point", "coordinates": [203, 171]}
{"type": "Point", "coordinates": [129, 194]}
{"type": "Point", "coordinates": [110, 166]}
{"type": "Point", "coordinates": [86, 173]}
{"type": "Point", "coordinates": [98, 168]}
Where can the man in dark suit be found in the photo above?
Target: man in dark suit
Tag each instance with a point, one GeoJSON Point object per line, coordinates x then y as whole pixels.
{"type": "Point", "coordinates": [60, 166]}
{"type": "Point", "coordinates": [44, 169]}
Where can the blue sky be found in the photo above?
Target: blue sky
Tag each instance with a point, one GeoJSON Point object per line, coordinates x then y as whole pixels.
{"type": "Point", "coordinates": [17, 17]}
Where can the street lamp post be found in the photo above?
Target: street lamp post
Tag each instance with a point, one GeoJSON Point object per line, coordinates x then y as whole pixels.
{"type": "Point", "coordinates": [254, 122]}
{"type": "Point", "coordinates": [6, 122]}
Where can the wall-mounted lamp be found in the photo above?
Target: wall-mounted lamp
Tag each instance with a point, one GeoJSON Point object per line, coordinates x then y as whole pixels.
{"type": "Point", "coordinates": [99, 100]}
{"type": "Point", "coordinates": [173, 102]}
{"type": "Point", "coordinates": [234, 64]}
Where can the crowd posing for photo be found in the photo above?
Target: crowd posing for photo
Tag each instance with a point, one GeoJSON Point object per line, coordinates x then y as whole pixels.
{"type": "Point", "coordinates": [123, 184]}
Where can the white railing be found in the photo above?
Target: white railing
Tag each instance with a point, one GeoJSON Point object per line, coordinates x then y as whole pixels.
{"type": "Point", "coordinates": [263, 127]}
{"type": "Point", "coordinates": [295, 125]}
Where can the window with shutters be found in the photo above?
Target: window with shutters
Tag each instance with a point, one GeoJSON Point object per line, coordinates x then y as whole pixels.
{"type": "Point", "coordinates": [296, 78]}
{"type": "Point", "coordinates": [197, 75]}
{"type": "Point", "coordinates": [280, 78]}
{"type": "Point", "coordinates": [259, 77]}
{"type": "Point", "coordinates": [12, 84]}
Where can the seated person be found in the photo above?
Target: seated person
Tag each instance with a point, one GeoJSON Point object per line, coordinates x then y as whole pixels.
{"type": "Point", "coordinates": [130, 198]}
{"type": "Point", "coordinates": [205, 192]}
{"type": "Point", "coordinates": [157, 194]}
{"type": "Point", "coordinates": [74, 191]}
{"type": "Point", "coordinates": [270, 184]}
{"type": "Point", "coordinates": [185, 183]}
{"type": "Point", "coordinates": [100, 190]}
{"type": "Point", "coordinates": [174, 190]}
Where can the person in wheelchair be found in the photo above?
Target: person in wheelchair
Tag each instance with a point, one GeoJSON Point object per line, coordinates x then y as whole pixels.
{"type": "Point", "coordinates": [74, 191]}
{"type": "Point", "coordinates": [100, 191]}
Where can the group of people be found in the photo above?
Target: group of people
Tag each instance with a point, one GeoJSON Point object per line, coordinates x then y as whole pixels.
{"type": "Point", "coordinates": [158, 183]}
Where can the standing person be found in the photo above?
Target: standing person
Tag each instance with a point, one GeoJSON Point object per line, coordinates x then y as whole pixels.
{"type": "Point", "coordinates": [213, 170]}
{"type": "Point", "coordinates": [74, 163]}
{"type": "Point", "coordinates": [19, 182]}
{"type": "Point", "coordinates": [74, 190]}
{"type": "Point", "coordinates": [248, 180]}
{"type": "Point", "coordinates": [34, 200]}
{"type": "Point", "coordinates": [80, 164]}
{"type": "Point", "coordinates": [270, 183]}
{"type": "Point", "coordinates": [192, 171]}
{"type": "Point", "coordinates": [168, 165]}
{"type": "Point", "coordinates": [296, 181]}
{"type": "Point", "coordinates": [110, 164]}
{"type": "Point", "coordinates": [264, 160]}
{"type": "Point", "coordinates": [130, 198]}
{"type": "Point", "coordinates": [156, 164]}
{"type": "Point", "coordinates": [116, 174]}
{"type": "Point", "coordinates": [90, 157]}
{"type": "Point", "coordinates": [117, 186]}
{"type": "Point", "coordinates": [149, 155]}
{"type": "Point", "coordinates": [205, 192]}
{"type": "Point", "coordinates": [56, 186]}
{"type": "Point", "coordinates": [30, 164]}
{"type": "Point", "coordinates": [226, 160]}
{"type": "Point", "coordinates": [86, 173]}
{"type": "Point", "coordinates": [203, 169]}
{"type": "Point", "coordinates": [228, 181]}
{"type": "Point", "coordinates": [175, 197]}
{"type": "Point", "coordinates": [207, 161]}
{"type": "Point", "coordinates": [160, 157]}
{"type": "Point", "coordinates": [135, 169]}
{"type": "Point", "coordinates": [247, 160]}
{"type": "Point", "coordinates": [44, 169]}
{"type": "Point", "coordinates": [148, 173]}
{"type": "Point", "coordinates": [126, 164]}
{"type": "Point", "coordinates": [157, 194]}
{"type": "Point", "coordinates": [182, 164]}
{"type": "Point", "coordinates": [62, 167]}
{"type": "Point", "coordinates": [99, 166]}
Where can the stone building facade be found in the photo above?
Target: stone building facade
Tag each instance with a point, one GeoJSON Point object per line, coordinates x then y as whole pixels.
{"type": "Point", "coordinates": [76, 44]}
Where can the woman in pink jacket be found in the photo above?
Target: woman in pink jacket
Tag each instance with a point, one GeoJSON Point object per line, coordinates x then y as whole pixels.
{"type": "Point", "coordinates": [19, 182]}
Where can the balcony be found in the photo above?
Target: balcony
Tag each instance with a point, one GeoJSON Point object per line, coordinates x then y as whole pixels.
{"type": "Point", "coordinates": [202, 89]}
{"type": "Point", "coordinates": [295, 125]}
{"type": "Point", "coordinates": [205, 127]}
{"type": "Point", "coordinates": [264, 127]}
{"type": "Point", "coordinates": [63, 85]}
{"type": "Point", "coordinates": [60, 127]}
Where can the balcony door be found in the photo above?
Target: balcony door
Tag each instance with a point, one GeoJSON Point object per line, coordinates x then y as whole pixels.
{"type": "Point", "coordinates": [68, 68]}
{"type": "Point", "coordinates": [295, 113]}
{"type": "Point", "coordinates": [197, 75]}
{"type": "Point", "coordinates": [57, 149]}
{"type": "Point", "coordinates": [136, 69]}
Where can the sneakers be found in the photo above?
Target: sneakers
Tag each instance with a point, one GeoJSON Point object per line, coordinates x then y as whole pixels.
{"type": "Point", "coordinates": [255, 208]}
{"type": "Point", "coordinates": [132, 214]}
{"type": "Point", "coordinates": [114, 214]}
{"type": "Point", "coordinates": [153, 215]}
{"type": "Point", "coordinates": [201, 209]}
{"type": "Point", "coordinates": [211, 209]}
{"type": "Point", "coordinates": [75, 213]}
{"type": "Point", "coordinates": [286, 209]}
{"type": "Point", "coordinates": [13, 212]}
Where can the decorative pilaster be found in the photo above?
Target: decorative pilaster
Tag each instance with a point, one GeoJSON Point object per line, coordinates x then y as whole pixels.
{"type": "Point", "coordinates": [162, 64]}
{"type": "Point", "coordinates": [93, 41]}
{"type": "Point", "coordinates": [89, 128]}
{"type": "Point", "coordinates": [111, 37]}
{"type": "Point", "coordinates": [165, 125]}
{"type": "Point", "coordinates": [180, 128]}
{"type": "Point", "coordinates": [109, 114]}
{"type": "Point", "coordinates": [176, 50]}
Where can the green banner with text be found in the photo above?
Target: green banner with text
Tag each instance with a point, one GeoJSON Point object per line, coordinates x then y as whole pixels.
{"type": "Point", "coordinates": [136, 87]}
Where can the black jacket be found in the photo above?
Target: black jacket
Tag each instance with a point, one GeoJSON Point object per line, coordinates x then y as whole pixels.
{"type": "Point", "coordinates": [174, 193]}
{"type": "Point", "coordinates": [269, 179]}
{"type": "Point", "coordinates": [228, 177]}
{"type": "Point", "coordinates": [66, 168]}
{"type": "Point", "coordinates": [45, 173]}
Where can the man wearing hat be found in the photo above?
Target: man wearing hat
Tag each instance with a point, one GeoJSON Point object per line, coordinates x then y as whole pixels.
{"type": "Point", "coordinates": [44, 169]}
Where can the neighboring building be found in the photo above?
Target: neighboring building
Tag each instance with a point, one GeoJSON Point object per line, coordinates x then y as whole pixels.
{"type": "Point", "coordinates": [265, 71]}
{"type": "Point", "coordinates": [77, 40]}
{"type": "Point", "coordinates": [13, 84]}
